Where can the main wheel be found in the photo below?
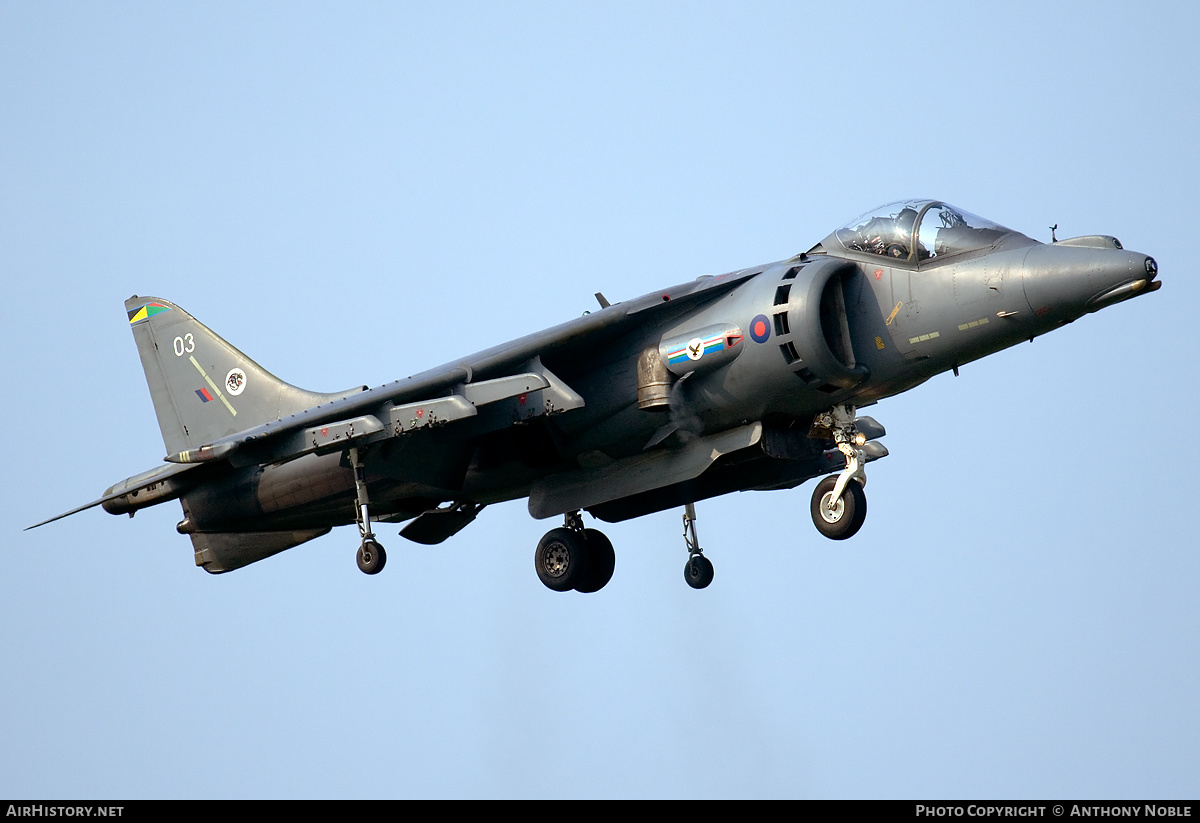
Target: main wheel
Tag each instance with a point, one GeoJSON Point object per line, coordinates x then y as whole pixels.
{"type": "Point", "coordinates": [698, 571]}
{"type": "Point", "coordinates": [561, 559]}
{"type": "Point", "coordinates": [371, 557]}
{"type": "Point", "coordinates": [841, 518]}
{"type": "Point", "coordinates": [601, 561]}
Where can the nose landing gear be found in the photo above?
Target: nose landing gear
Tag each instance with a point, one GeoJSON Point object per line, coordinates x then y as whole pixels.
{"type": "Point", "coordinates": [838, 518]}
{"type": "Point", "coordinates": [839, 504]}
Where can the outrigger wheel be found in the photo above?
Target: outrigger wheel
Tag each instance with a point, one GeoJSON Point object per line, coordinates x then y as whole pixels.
{"type": "Point", "coordinates": [371, 557]}
{"type": "Point", "coordinates": [698, 571]}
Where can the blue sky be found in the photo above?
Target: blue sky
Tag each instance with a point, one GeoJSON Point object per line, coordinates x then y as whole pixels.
{"type": "Point", "coordinates": [354, 194]}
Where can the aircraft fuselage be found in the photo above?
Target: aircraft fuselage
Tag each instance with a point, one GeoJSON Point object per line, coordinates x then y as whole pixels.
{"type": "Point", "coordinates": [746, 380]}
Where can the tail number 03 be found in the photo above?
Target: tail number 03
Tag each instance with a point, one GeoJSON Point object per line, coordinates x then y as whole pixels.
{"type": "Point", "coordinates": [187, 344]}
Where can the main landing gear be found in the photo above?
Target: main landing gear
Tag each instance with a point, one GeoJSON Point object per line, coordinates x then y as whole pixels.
{"type": "Point", "coordinates": [573, 557]}
{"type": "Point", "coordinates": [371, 556]}
{"type": "Point", "coordinates": [839, 504]}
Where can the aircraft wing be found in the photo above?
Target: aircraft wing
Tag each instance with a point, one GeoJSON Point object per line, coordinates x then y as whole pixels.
{"type": "Point", "coordinates": [452, 392]}
{"type": "Point", "coordinates": [455, 390]}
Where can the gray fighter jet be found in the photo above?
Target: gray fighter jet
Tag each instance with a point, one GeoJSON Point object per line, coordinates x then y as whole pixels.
{"type": "Point", "coordinates": [746, 380]}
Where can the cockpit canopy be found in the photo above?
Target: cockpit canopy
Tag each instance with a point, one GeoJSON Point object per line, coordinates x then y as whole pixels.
{"type": "Point", "coordinates": [916, 231]}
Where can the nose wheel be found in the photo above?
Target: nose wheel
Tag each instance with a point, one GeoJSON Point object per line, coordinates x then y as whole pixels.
{"type": "Point", "coordinates": [839, 504]}
{"type": "Point", "coordinates": [838, 518]}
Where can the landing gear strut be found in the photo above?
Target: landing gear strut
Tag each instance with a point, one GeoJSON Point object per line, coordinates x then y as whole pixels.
{"type": "Point", "coordinates": [698, 571]}
{"type": "Point", "coordinates": [573, 557]}
{"type": "Point", "coordinates": [371, 556]}
{"type": "Point", "coordinates": [839, 504]}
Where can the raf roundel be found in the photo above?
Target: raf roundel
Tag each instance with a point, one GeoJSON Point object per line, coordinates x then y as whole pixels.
{"type": "Point", "coordinates": [760, 329]}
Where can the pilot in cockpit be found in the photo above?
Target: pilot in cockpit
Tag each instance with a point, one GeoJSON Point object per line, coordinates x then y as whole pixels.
{"type": "Point", "coordinates": [892, 231]}
{"type": "Point", "coordinates": [886, 236]}
{"type": "Point", "coordinates": [903, 232]}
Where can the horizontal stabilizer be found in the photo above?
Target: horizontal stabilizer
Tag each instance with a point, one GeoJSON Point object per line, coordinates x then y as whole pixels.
{"type": "Point", "coordinates": [159, 483]}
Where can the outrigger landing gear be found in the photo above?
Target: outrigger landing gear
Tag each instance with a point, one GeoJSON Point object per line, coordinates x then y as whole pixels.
{"type": "Point", "coordinates": [371, 556]}
{"type": "Point", "coordinates": [573, 557]}
{"type": "Point", "coordinates": [698, 571]}
{"type": "Point", "coordinates": [839, 504]}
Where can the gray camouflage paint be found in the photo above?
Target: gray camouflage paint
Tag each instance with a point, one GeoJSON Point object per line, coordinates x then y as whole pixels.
{"type": "Point", "coordinates": [261, 465]}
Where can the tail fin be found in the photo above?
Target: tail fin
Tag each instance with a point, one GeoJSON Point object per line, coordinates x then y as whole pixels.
{"type": "Point", "coordinates": [203, 388]}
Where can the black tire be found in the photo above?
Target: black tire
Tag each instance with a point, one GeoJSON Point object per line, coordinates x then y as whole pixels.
{"type": "Point", "coordinates": [371, 557]}
{"type": "Point", "coordinates": [561, 559]}
{"type": "Point", "coordinates": [843, 519]}
{"type": "Point", "coordinates": [698, 571]}
{"type": "Point", "coordinates": [601, 560]}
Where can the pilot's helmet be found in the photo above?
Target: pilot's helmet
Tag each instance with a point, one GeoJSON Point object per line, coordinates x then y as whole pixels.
{"type": "Point", "coordinates": [905, 219]}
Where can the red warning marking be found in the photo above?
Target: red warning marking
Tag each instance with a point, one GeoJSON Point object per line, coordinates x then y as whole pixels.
{"type": "Point", "coordinates": [878, 274]}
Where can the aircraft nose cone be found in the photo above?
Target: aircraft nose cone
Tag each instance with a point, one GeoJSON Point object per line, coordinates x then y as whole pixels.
{"type": "Point", "coordinates": [1126, 287]}
{"type": "Point", "coordinates": [1066, 282]}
